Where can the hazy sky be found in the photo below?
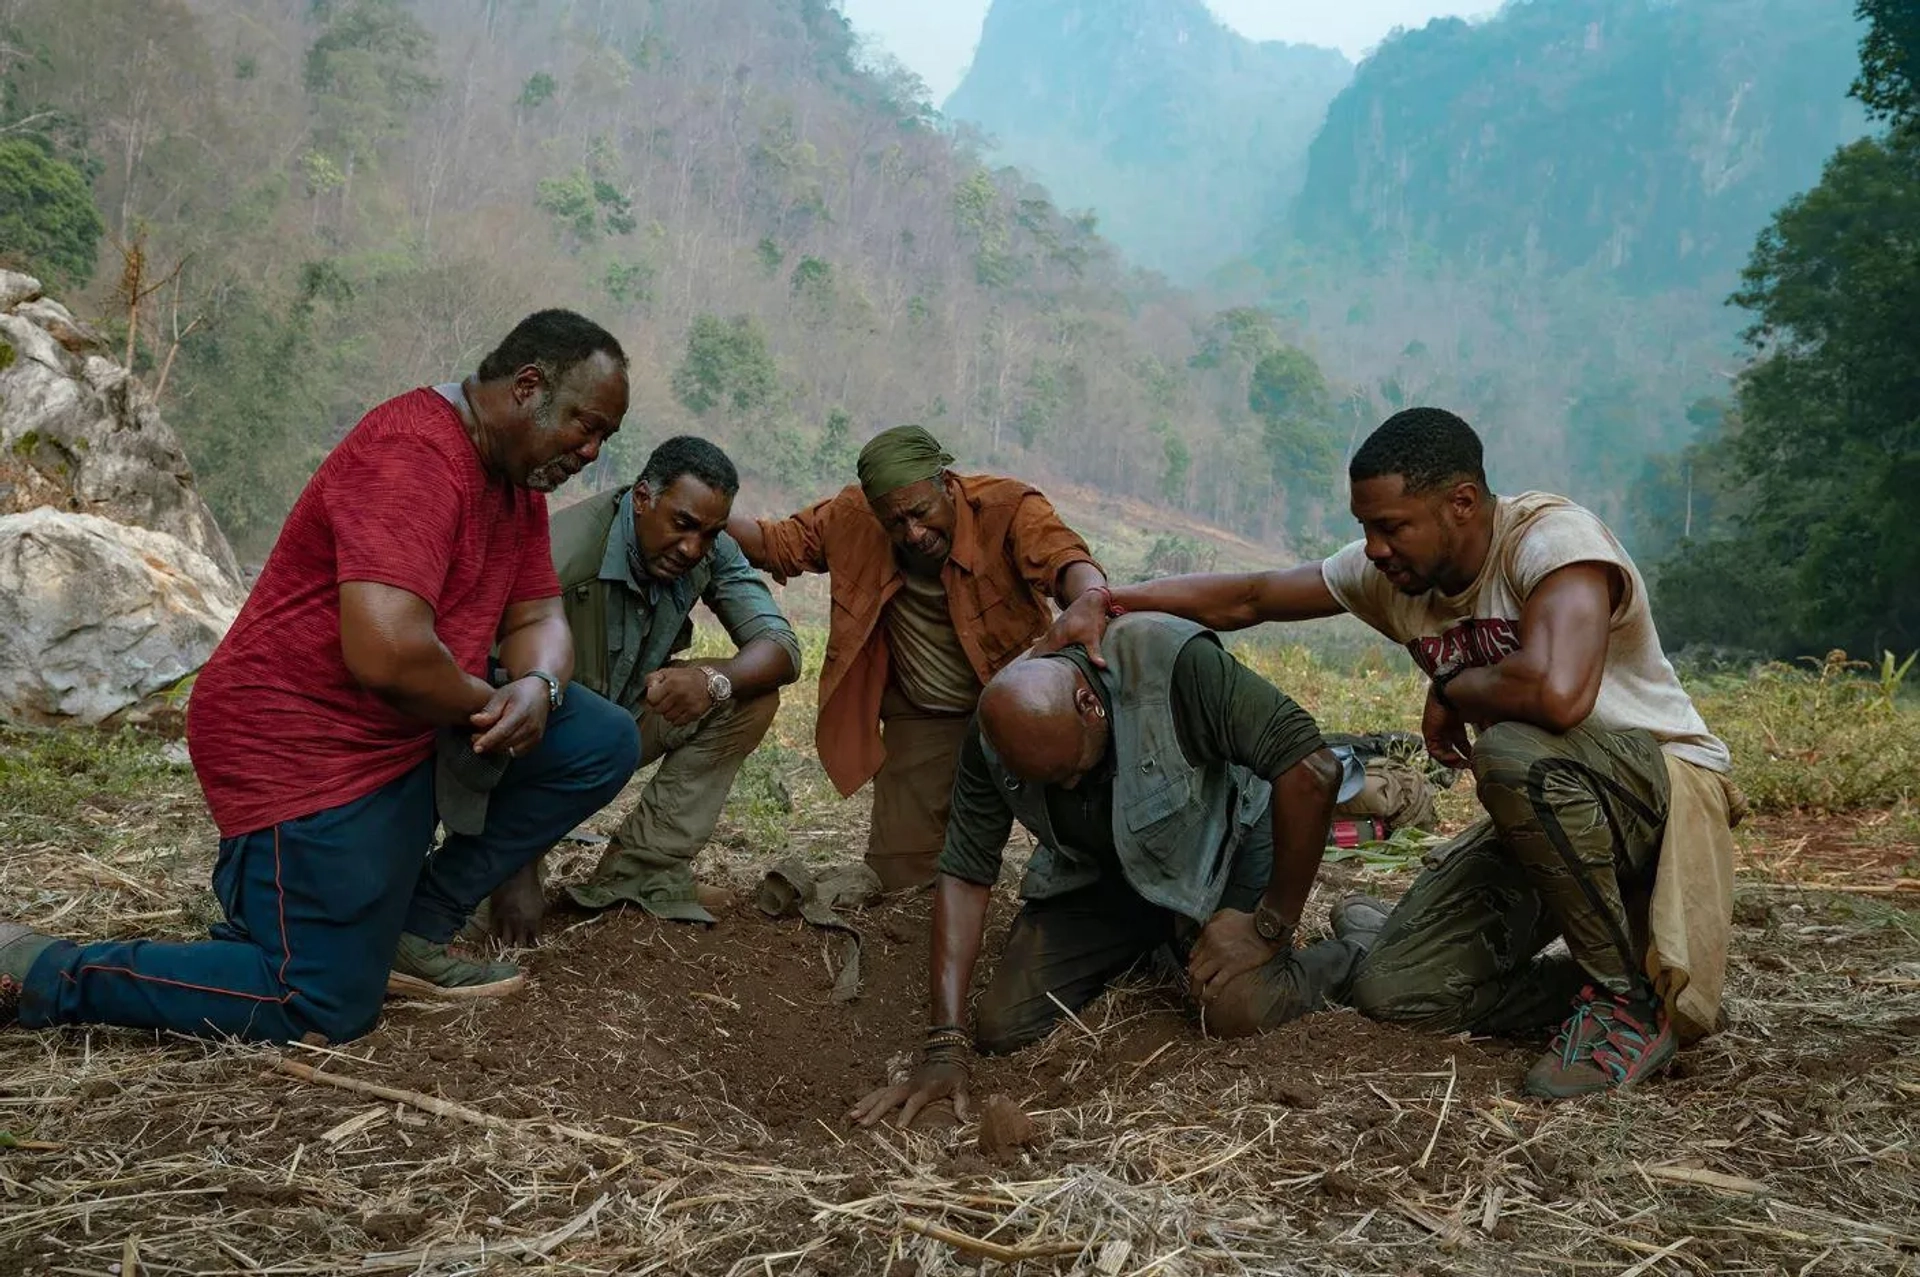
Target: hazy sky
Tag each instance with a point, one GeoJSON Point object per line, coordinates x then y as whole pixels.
{"type": "Point", "coordinates": [936, 37]}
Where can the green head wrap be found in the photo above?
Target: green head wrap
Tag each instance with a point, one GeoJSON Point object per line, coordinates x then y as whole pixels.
{"type": "Point", "coordinates": [899, 458]}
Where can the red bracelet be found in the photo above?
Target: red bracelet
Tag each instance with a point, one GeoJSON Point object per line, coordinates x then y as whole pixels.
{"type": "Point", "coordinates": [1112, 609]}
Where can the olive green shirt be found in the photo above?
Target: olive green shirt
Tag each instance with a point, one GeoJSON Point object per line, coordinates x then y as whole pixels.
{"type": "Point", "coordinates": [930, 667]}
{"type": "Point", "coordinates": [1222, 712]}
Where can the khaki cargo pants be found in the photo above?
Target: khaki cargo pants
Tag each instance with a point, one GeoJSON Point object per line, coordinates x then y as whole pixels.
{"type": "Point", "coordinates": [1568, 849]}
{"type": "Point", "coordinates": [913, 791]}
{"type": "Point", "coordinates": [650, 859]}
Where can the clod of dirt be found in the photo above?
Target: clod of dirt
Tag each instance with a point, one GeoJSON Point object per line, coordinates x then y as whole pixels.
{"type": "Point", "coordinates": [1293, 1093]}
{"type": "Point", "coordinates": [394, 1227]}
{"type": "Point", "coordinates": [1004, 1128]}
{"type": "Point", "coordinates": [1339, 1184]}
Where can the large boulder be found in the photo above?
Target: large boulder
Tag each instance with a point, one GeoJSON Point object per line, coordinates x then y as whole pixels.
{"type": "Point", "coordinates": [97, 617]}
{"type": "Point", "coordinates": [78, 433]}
{"type": "Point", "coordinates": [115, 580]}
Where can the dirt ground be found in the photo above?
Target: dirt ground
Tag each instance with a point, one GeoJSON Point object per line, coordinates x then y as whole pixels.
{"type": "Point", "coordinates": [670, 1099]}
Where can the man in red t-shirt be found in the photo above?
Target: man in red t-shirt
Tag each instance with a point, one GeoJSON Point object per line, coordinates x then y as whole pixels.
{"type": "Point", "coordinates": [403, 660]}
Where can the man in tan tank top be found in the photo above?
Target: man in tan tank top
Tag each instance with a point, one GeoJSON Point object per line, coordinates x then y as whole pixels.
{"type": "Point", "coordinates": [1532, 624]}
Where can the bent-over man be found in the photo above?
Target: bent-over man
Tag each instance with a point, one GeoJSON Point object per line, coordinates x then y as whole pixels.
{"type": "Point", "coordinates": [939, 580]}
{"type": "Point", "coordinates": [1533, 626]}
{"type": "Point", "coordinates": [1176, 797]}
{"type": "Point", "coordinates": [632, 564]}
{"type": "Point", "coordinates": [419, 547]}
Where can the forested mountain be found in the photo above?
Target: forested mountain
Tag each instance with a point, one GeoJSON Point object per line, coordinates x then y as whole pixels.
{"type": "Point", "coordinates": [1650, 139]}
{"type": "Point", "coordinates": [1187, 138]}
{"type": "Point", "coordinates": [359, 195]}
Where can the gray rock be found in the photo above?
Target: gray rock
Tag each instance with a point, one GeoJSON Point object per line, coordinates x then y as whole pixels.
{"type": "Point", "coordinates": [16, 288]}
{"type": "Point", "coordinates": [80, 434]}
{"type": "Point", "coordinates": [98, 616]}
{"type": "Point", "coordinates": [59, 324]}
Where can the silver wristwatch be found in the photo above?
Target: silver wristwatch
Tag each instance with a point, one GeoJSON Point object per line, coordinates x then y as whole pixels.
{"type": "Point", "coordinates": [719, 686]}
{"type": "Point", "coordinates": [556, 691]}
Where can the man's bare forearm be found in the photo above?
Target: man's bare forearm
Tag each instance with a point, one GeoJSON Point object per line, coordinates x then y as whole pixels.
{"type": "Point", "coordinates": [959, 924]}
{"type": "Point", "coordinates": [753, 541]}
{"type": "Point", "coordinates": [761, 666]}
{"type": "Point", "coordinates": [422, 680]}
{"type": "Point", "coordinates": [1235, 600]}
{"type": "Point", "coordinates": [545, 644]}
{"type": "Point", "coordinates": [1303, 800]}
{"type": "Point", "coordinates": [1077, 578]}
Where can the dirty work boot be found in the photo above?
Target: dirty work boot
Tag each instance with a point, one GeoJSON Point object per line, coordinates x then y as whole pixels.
{"type": "Point", "coordinates": [19, 946]}
{"type": "Point", "coordinates": [1359, 918]}
{"type": "Point", "coordinates": [1609, 1041]}
{"type": "Point", "coordinates": [423, 969]}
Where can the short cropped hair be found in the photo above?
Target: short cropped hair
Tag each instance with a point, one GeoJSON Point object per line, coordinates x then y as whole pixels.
{"type": "Point", "coordinates": [1429, 448]}
{"type": "Point", "coordinates": [553, 341]}
{"type": "Point", "coordinates": [690, 454]}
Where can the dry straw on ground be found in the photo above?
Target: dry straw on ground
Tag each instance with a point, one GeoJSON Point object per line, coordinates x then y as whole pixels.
{"type": "Point", "coordinates": [1786, 1144]}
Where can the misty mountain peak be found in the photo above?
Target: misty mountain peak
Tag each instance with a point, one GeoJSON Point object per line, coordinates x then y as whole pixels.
{"type": "Point", "coordinates": [1185, 136]}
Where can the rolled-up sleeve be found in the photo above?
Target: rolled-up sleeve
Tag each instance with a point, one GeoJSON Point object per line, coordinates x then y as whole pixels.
{"type": "Point", "coordinates": [980, 819]}
{"type": "Point", "coordinates": [739, 597]}
{"type": "Point", "coordinates": [1224, 712]}
{"type": "Point", "coordinates": [1043, 545]}
{"type": "Point", "coordinates": [798, 545]}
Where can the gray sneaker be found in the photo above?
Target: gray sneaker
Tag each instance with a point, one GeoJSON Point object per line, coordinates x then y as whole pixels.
{"type": "Point", "coordinates": [424, 969]}
{"type": "Point", "coordinates": [19, 946]}
{"type": "Point", "coordinates": [1359, 918]}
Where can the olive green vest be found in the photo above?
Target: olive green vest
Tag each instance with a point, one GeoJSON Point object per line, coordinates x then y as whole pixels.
{"type": "Point", "coordinates": [579, 534]}
{"type": "Point", "coordinates": [1175, 826]}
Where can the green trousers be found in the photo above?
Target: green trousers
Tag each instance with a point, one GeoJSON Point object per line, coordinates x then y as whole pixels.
{"type": "Point", "coordinates": [1062, 953]}
{"type": "Point", "coordinates": [649, 861]}
{"type": "Point", "coordinates": [1568, 849]}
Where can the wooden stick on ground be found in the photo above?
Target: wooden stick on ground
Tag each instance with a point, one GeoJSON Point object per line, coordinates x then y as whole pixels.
{"type": "Point", "coordinates": [990, 1250]}
{"type": "Point", "coordinates": [526, 1250]}
{"type": "Point", "coordinates": [438, 1107]}
{"type": "Point", "coordinates": [1704, 1179]}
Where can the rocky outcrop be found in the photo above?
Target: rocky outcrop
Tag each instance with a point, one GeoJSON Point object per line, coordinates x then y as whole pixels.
{"type": "Point", "coordinates": [97, 617]}
{"type": "Point", "coordinates": [115, 580]}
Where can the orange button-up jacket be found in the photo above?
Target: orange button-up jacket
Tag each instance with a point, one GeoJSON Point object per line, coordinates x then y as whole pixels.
{"type": "Point", "coordinates": [1009, 549]}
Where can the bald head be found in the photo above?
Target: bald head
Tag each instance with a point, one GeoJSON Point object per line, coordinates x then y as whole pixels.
{"type": "Point", "coordinates": [1044, 721]}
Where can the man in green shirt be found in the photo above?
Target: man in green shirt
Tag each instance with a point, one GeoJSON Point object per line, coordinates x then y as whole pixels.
{"type": "Point", "coordinates": [632, 563]}
{"type": "Point", "coordinates": [1176, 797]}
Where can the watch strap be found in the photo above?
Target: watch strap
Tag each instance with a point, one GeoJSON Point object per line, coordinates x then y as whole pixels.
{"type": "Point", "coordinates": [556, 691]}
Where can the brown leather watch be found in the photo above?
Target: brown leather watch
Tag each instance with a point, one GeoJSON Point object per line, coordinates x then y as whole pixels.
{"type": "Point", "coordinates": [1272, 927]}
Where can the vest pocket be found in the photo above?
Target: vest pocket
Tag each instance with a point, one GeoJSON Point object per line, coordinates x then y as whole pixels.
{"type": "Point", "coordinates": [1156, 805]}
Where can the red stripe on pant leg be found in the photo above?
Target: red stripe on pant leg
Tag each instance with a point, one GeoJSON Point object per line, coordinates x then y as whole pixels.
{"type": "Point", "coordinates": [286, 949]}
{"type": "Point", "coordinates": [286, 954]}
{"type": "Point", "coordinates": [178, 984]}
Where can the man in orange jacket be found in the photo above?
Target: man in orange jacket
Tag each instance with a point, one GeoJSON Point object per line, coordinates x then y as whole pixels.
{"type": "Point", "coordinates": [938, 582]}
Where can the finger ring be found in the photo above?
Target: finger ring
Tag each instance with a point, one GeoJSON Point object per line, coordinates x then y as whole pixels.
{"type": "Point", "coordinates": [509, 751]}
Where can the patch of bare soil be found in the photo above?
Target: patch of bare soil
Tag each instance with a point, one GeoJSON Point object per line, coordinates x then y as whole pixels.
{"type": "Point", "coordinates": [700, 1077]}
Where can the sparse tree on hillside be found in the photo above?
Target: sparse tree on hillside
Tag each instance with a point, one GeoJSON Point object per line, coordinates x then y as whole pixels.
{"type": "Point", "coordinates": [365, 71]}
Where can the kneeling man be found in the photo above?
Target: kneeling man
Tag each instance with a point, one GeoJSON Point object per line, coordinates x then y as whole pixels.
{"type": "Point", "coordinates": [632, 564]}
{"type": "Point", "coordinates": [354, 705]}
{"type": "Point", "coordinates": [1176, 797]}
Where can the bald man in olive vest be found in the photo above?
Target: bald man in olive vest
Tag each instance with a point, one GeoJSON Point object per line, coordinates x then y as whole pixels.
{"type": "Point", "coordinates": [1177, 798]}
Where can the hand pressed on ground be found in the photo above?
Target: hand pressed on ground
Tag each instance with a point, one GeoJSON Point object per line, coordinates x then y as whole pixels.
{"type": "Point", "coordinates": [931, 1082]}
{"type": "Point", "coordinates": [516, 908]}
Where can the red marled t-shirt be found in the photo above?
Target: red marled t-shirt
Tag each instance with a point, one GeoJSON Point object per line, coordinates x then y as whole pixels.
{"type": "Point", "coordinates": [277, 727]}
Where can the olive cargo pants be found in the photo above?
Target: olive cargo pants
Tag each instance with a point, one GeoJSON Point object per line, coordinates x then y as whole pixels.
{"type": "Point", "coordinates": [1569, 847]}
